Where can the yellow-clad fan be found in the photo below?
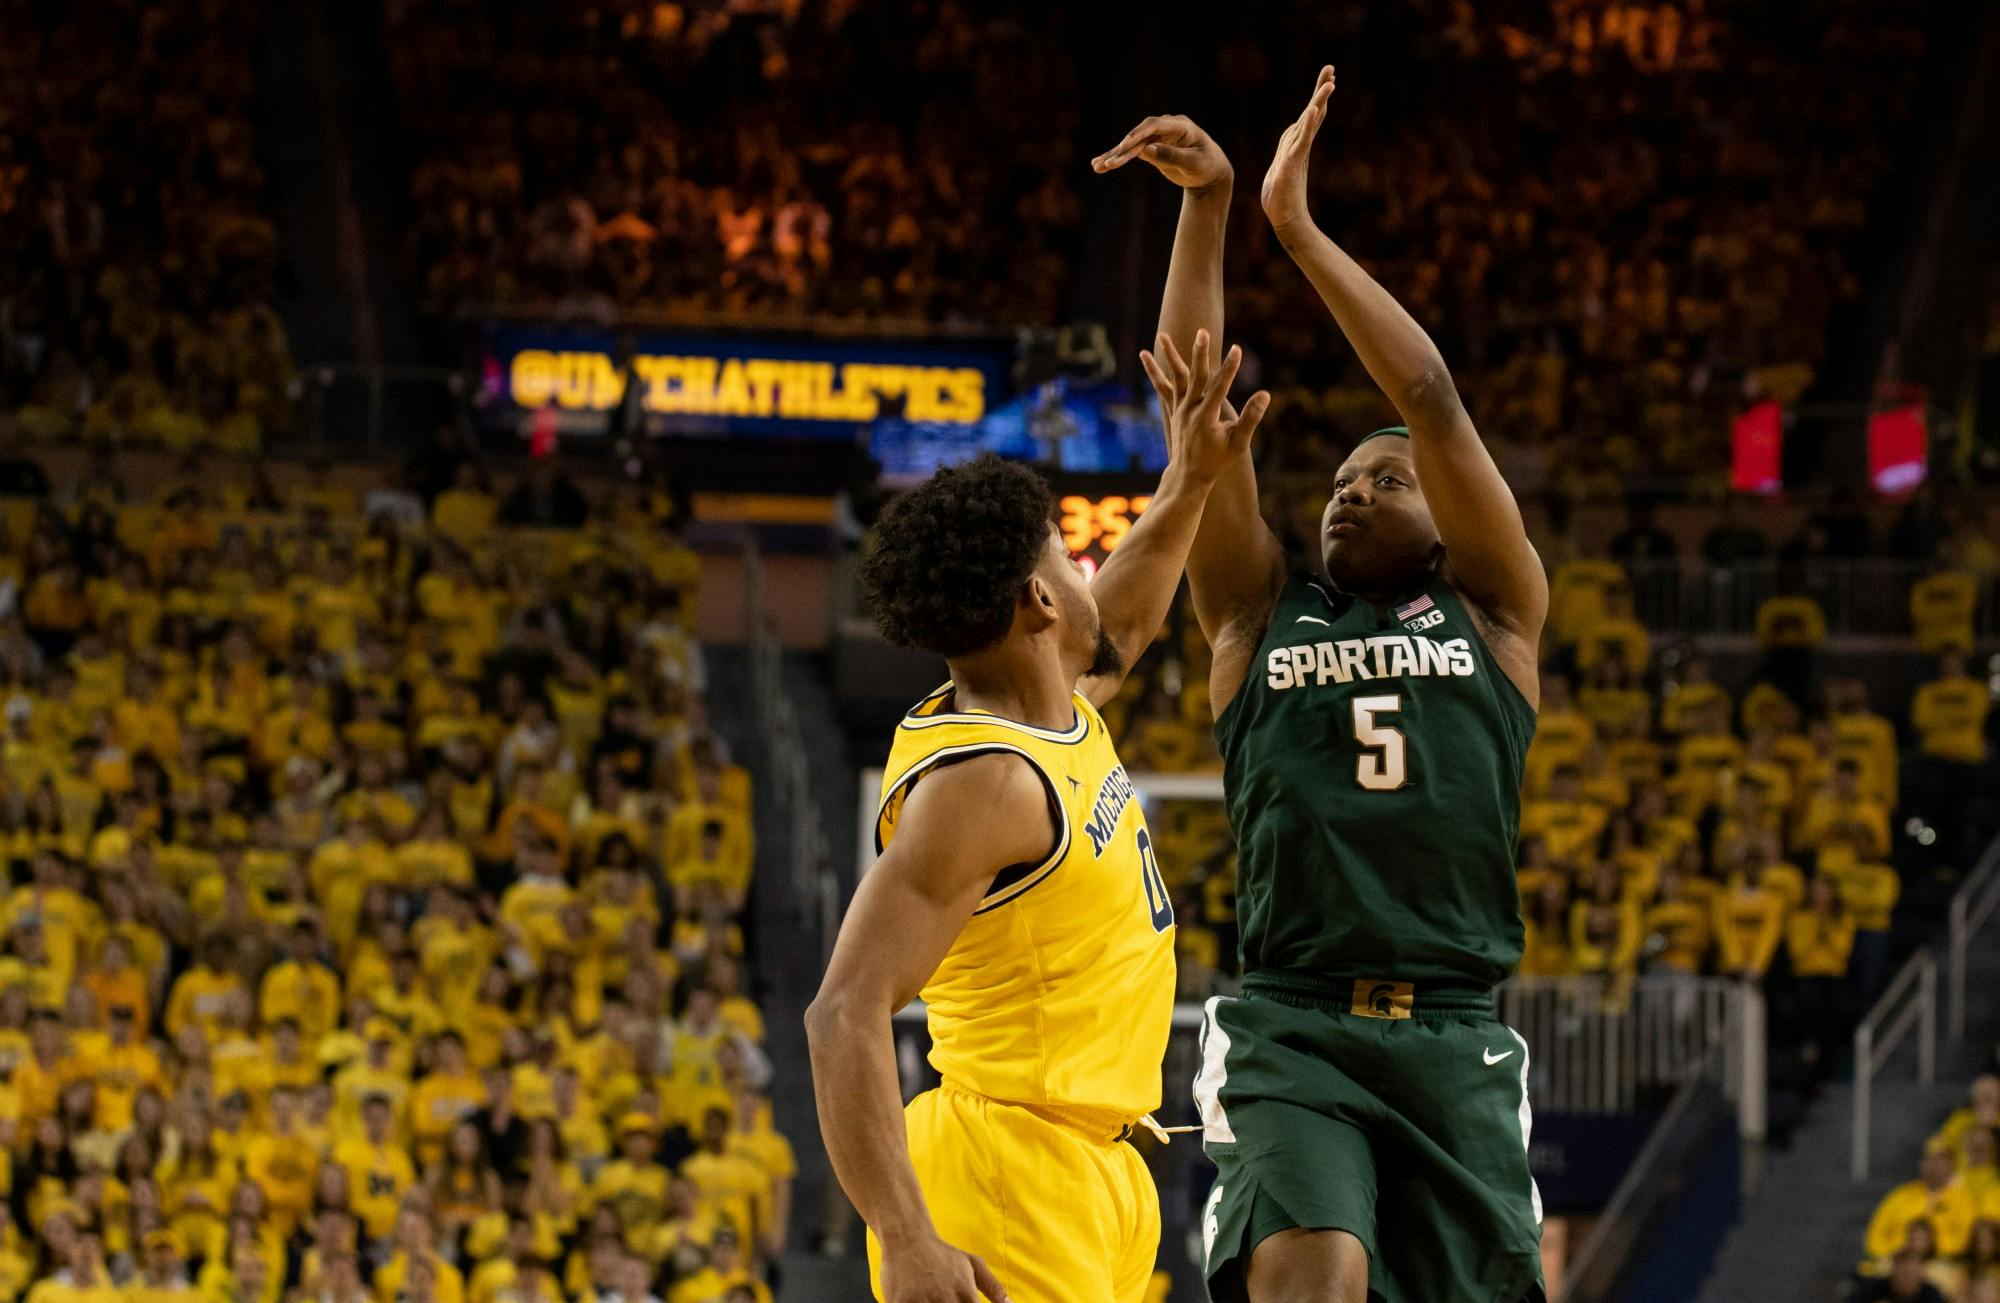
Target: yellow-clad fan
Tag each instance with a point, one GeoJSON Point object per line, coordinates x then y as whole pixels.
{"type": "Point", "coordinates": [379, 1170]}
{"type": "Point", "coordinates": [1950, 711]}
{"type": "Point", "coordinates": [1981, 1112]}
{"type": "Point", "coordinates": [1790, 620]}
{"type": "Point", "coordinates": [1942, 603]}
{"type": "Point", "coordinates": [1936, 1197]}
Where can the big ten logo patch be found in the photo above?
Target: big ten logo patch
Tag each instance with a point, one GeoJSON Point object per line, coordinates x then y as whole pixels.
{"type": "Point", "coordinates": [1428, 620]}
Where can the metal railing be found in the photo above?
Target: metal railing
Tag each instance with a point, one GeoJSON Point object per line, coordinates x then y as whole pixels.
{"type": "Point", "coordinates": [1908, 1006]}
{"type": "Point", "coordinates": [785, 766]}
{"type": "Point", "coordinates": [1680, 1141]}
{"type": "Point", "coordinates": [1971, 909]}
{"type": "Point", "coordinates": [1625, 1046]}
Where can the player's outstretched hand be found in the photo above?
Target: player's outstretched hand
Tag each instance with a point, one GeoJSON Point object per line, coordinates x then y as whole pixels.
{"type": "Point", "coordinates": [1203, 436]}
{"type": "Point", "coordinates": [1182, 151]}
{"type": "Point", "coordinates": [1285, 183]}
{"type": "Point", "coordinates": [931, 1271]}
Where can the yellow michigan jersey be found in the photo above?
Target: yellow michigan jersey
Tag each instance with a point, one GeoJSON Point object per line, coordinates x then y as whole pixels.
{"type": "Point", "coordinates": [1048, 1021]}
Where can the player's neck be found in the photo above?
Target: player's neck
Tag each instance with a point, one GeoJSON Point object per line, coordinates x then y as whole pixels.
{"type": "Point", "coordinates": [1381, 593]}
{"type": "Point", "coordinates": [1015, 684]}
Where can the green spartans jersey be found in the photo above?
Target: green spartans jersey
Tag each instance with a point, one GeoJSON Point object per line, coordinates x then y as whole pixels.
{"type": "Point", "coordinates": [1373, 768]}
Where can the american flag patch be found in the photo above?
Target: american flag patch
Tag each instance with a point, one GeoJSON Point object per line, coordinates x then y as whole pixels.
{"type": "Point", "coordinates": [1417, 607]}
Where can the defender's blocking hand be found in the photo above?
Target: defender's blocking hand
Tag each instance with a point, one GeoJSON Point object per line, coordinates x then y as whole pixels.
{"type": "Point", "coordinates": [1202, 436]}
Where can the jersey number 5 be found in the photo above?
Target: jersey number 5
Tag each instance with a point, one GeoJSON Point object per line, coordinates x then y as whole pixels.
{"type": "Point", "coordinates": [1157, 902]}
{"type": "Point", "coordinates": [1380, 766]}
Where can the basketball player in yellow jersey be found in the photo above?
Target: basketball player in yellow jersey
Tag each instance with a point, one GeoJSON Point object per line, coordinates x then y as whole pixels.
{"type": "Point", "coordinates": [1016, 890]}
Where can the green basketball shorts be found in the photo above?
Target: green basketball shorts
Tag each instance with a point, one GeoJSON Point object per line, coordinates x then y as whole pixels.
{"type": "Point", "coordinates": [1397, 1115]}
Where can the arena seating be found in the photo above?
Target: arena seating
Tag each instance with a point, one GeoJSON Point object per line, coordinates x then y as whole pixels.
{"type": "Point", "coordinates": [1637, 281]}
{"type": "Point", "coordinates": [892, 161]}
{"type": "Point", "coordinates": [379, 927]}
{"type": "Point", "coordinates": [1641, 283]}
{"type": "Point", "coordinates": [137, 254]}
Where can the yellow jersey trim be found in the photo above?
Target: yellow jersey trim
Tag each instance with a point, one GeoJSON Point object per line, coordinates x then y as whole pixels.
{"type": "Point", "coordinates": [1016, 884]}
{"type": "Point", "coordinates": [1076, 732]}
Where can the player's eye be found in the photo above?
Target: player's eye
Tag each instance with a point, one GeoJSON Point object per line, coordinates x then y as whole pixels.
{"type": "Point", "coordinates": [1340, 483]}
{"type": "Point", "coordinates": [1387, 481]}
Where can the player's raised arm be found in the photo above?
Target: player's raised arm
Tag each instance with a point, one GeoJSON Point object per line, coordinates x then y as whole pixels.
{"type": "Point", "coordinates": [1235, 566]}
{"type": "Point", "coordinates": [1486, 545]}
{"type": "Point", "coordinates": [958, 828]}
{"type": "Point", "coordinates": [1137, 584]}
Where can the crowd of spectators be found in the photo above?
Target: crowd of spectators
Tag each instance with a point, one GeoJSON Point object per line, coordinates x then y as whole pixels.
{"type": "Point", "coordinates": [137, 257]}
{"type": "Point", "coordinates": [375, 925]}
{"type": "Point", "coordinates": [860, 159]}
{"type": "Point", "coordinates": [1638, 280]}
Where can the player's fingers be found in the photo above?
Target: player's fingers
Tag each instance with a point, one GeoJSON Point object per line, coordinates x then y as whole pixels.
{"type": "Point", "coordinates": [1161, 384]}
{"type": "Point", "coordinates": [1322, 87]}
{"type": "Point", "coordinates": [989, 1284]}
{"type": "Point", "coordinates": [1218, 384]}
{"type": "Point", "coordinates": [1130, 138]}
{"type": "Point", "coordinates": [1163, 155]}
{"type": "Point", "coordinates": [1124, 151]}
{"type": "Point", "coordinates": [1176, 367]}
{"type": "Point", "coordinates": [1199, 368]}
{"type": "Point", "coordinates": [1245, 425]}
{"type": "Point", "coordinates": [1322, 92]}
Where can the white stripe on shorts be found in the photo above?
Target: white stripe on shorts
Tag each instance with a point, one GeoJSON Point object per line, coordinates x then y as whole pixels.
{"type": "Point", "coordinates": [1527, 1122]}
{"type": "Point", "coordinates": [1214, 1075]}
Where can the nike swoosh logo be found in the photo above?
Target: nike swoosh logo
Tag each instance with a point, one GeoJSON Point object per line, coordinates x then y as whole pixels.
{"type": "Point", "coordinates": [1492, 1058]}
{"type": "Point", "coordinates": [1311, 619]}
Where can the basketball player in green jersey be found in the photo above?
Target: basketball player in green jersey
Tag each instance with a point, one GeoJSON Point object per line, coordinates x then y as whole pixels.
{"type": "Point", "coordinates": [1366, 1111]}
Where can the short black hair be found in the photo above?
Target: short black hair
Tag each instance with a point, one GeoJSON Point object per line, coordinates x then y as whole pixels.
{"type": "Point", "coordinates": [950, 556]}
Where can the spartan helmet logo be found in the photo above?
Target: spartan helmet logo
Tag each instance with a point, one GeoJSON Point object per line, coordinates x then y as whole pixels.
{"type": "Point", "coordinates": [1379, 999]}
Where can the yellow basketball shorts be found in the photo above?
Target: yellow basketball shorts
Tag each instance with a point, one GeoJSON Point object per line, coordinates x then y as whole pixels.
{"type": "Point", "coordinates": [1060, 1216]}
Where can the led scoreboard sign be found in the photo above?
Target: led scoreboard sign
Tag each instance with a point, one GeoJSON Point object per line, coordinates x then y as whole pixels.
{"type": "Point", "coordinates": [730, 384]}
{"type": "Point", "coordinates": [1094, 524]}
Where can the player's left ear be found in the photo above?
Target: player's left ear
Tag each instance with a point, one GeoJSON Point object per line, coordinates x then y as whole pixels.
{"type": "Point", "coordinates": [1038, 603]}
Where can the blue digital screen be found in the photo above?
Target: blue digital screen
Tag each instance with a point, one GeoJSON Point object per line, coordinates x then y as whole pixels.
{"type": "Point", "coordinates": [1063, 425]}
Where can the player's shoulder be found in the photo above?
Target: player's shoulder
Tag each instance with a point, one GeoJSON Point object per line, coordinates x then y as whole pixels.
{"type": "Point", "coordinates": [984, 791]}
{"type": "Point", "coordinates": [994, 777]}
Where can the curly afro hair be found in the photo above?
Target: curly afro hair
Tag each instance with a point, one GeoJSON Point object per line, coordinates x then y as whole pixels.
{"type": "Point", "coordinates": [950, 556]}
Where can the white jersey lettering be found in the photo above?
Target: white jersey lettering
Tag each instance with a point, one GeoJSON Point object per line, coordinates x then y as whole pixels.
{"type": "Point", "coordinates": [1383, 656]}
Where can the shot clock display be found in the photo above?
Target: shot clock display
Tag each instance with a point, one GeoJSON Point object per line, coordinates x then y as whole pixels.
{"type": "Point", "coordinates": [1093, 524]}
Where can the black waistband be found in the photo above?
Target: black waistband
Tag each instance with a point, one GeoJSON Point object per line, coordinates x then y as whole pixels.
{"type": "Point", "coordinates": [1379, 995]}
